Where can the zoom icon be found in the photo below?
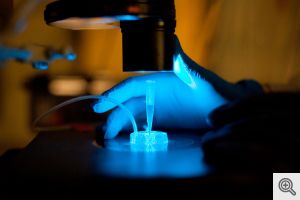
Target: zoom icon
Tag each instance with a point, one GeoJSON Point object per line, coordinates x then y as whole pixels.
{"type": "Point", "coordinates": [286, 185]}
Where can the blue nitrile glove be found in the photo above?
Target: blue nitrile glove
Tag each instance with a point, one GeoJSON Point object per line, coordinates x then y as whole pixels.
{"type": "Point", "coordinates": [183, 98]}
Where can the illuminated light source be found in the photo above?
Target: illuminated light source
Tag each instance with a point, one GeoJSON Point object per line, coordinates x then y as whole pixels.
{"type": "Point", "coordinates": [149, 141]}
{"type": "Point", "coordinates": [99, 86]}
{"type": "Point", "coordinates": [68, 86]}
{"type": "Point", "coordinates": [147, 26]}
{"type": "Point", "coordinates": [127, 17]}
{"type": "Point", "coordinates": [104, 22]}
{"type": "Point", "coordinates": [71, 56]}
{"type": "Point", "coordinates": [181, 70]}
{"type": "Point", "coordinates": [143, 141]}
{"type": "Point", "coordinates": [76, 23]}
{"type": "Point", "coordinates": [40, 65]}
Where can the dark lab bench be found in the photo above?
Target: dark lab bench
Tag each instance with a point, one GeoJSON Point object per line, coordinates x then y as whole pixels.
{"type": "Point", "coordinates": [69, 163]}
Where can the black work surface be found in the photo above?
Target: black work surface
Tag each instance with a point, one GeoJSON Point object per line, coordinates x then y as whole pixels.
{"type": "Point", "coordinates": [69, 163]}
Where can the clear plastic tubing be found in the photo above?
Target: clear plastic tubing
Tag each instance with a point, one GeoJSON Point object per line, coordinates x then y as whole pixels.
{"type": "Point", "coordinates": [150, 100]}
{"type": "Point", "coordinates": [81, 98]}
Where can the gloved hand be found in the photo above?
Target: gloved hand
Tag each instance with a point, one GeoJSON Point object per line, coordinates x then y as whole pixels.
{"type": "Point", "coordinates": [183, 98]}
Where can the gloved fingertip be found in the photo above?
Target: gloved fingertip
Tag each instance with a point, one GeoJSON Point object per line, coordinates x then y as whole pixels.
{"type": "Point", "coordinates": [102, 106]}
{"type": "Point", "coordinates": [97, 107]}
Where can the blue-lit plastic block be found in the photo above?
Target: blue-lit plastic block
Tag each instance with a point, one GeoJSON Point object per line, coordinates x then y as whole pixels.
{"type": "Point", "coordinates": [144, 141]}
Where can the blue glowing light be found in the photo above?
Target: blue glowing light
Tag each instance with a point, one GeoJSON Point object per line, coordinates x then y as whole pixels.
{"type": "Point", "coordinates": [7, 53]}
{"type": "Point", "coordinates": [143, 141]}
{"type": "Point", "coordinates": [56, 56]}
{"type": "Point", "coordinates": [71, 56]}
{"type": "Point", "coordinates": [40, 65]}
{"type": "Point", "coordinates": [183, 159]}
{"type": "Point", "coordinates": [127, 17]}
{"type": "Point", "coordinates": [181, 70]}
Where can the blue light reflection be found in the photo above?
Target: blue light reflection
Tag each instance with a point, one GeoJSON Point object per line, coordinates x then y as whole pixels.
{"type": "Point", "coordinates": [184, 159]}
{"type": "Point", "coordinates": [143, 141]}
{"type": "Point", "coordinates": [126, 17]}
{"type": "Point", "coordinates": [181, 70]}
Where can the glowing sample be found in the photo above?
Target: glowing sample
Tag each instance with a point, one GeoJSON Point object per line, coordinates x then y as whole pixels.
{"type": "Point", "coordinates": [150, 96]}
{"type": "Point", "coordinates": [149, 140]}
{"type": "Point", "coordinates": [146, 141]}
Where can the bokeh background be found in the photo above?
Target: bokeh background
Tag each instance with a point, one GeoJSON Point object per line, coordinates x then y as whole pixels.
{"type": "Point", "coordinates": [237, 39]}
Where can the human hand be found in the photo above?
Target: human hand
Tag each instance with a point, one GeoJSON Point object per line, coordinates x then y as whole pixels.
{"type": "Point", "coordinates": [183, 98]}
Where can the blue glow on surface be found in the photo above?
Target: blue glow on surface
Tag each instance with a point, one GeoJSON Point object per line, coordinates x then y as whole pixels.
{"type": "Point", "coordinates": [183, 159]}
{"type": "Point", "coordinates": [181, 70]}
{"type": "Point", "coordinates": [143, 141]}
{"type": "Point", "coordinates": [126, 17]}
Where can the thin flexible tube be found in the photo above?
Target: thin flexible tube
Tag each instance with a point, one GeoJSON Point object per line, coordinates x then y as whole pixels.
{"type": "Point", "coordinates": [81, 98]}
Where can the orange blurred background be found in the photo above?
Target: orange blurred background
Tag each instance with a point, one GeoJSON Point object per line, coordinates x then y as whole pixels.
{"type": "Point", "coordinates": [236, 39]}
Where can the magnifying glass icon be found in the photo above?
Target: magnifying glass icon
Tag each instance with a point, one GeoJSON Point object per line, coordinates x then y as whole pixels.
{"type": "Point", "coordinates": [286, 185]}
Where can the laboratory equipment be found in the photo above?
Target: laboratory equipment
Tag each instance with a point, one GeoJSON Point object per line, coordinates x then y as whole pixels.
{"type": "Point", "coordinates": [14, 19]}
{"type": "Point", "coordinates": [142, 141]}
{"type": "Point", "coordinates": [147, 26]}
{"type": "Point", "coordinates": [95, 107]}
{"type": "Point", "coordinates": [67, 163]}
{"type": "Point", "coordinates": [145, 141]}
{"type": "Point", "coordinates": [28, 55]}
{"type": "Point", "coordinates": [150, 99]}
{"type": "Point", "coordinates": [148, 140]}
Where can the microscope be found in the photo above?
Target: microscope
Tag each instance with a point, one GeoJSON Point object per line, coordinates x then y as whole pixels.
{"type": "Point", "coordinates": [147, 27]}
